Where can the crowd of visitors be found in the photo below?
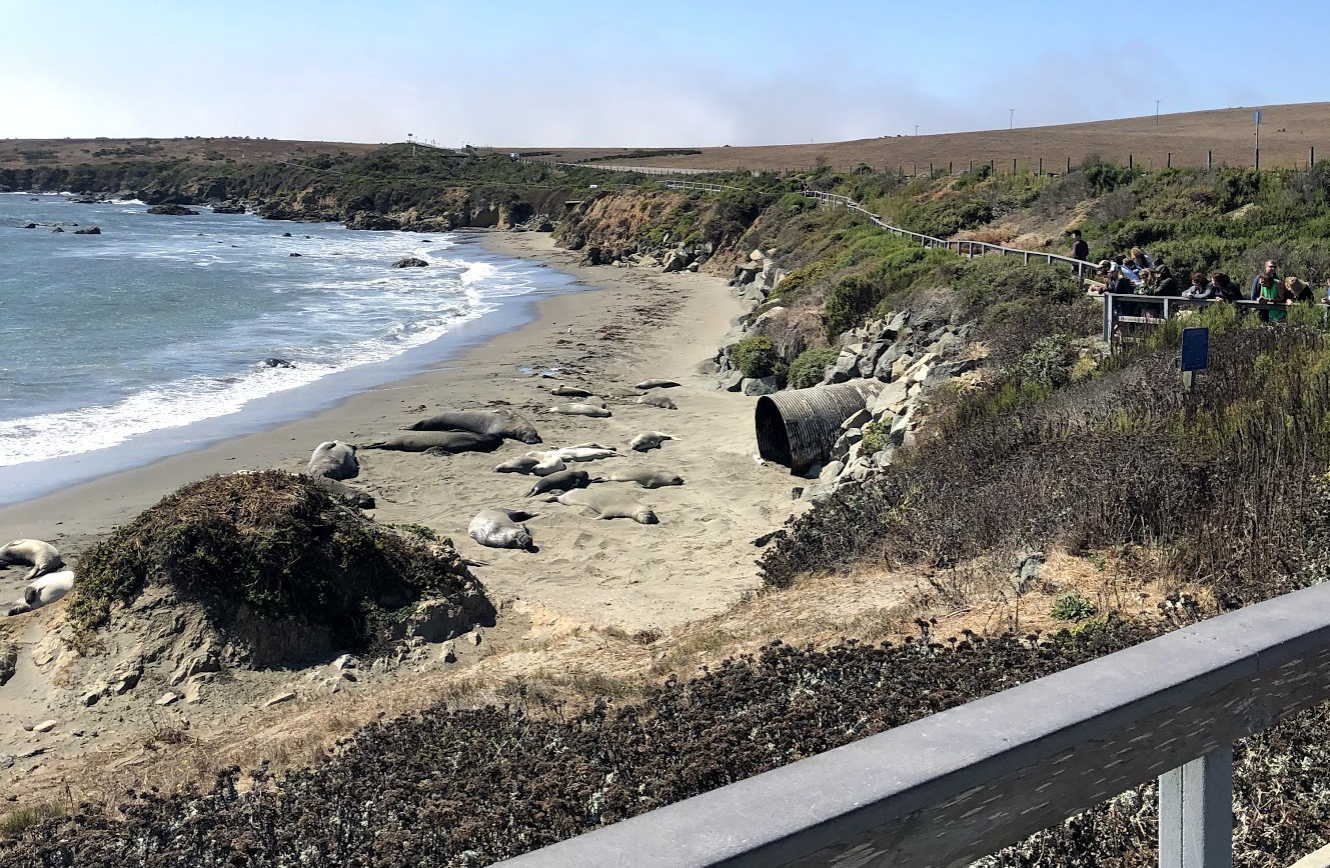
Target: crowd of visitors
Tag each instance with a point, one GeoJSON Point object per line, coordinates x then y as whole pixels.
{"type": "Point", "coordinates": [1139, 273]}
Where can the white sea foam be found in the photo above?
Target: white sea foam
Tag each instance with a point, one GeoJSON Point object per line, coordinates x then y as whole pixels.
{"type": "Point", "coordinates": [193, 399]}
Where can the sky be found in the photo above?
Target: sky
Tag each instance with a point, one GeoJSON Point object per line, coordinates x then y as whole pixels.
{"type": "Point", "coordinates": [635, 74]}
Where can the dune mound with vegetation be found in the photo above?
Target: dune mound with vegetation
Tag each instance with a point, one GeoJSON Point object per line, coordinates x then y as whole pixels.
{"type": "Point", "coordinates": [278, 569]}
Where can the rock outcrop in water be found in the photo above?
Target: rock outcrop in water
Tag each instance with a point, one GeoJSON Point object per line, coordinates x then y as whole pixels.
{"type": "Point", "coordinates": [172, 210]}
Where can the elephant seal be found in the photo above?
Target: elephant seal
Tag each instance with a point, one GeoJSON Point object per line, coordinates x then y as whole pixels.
{"type": "Point", "coordinates": [658, 401]}
{"type": "Point", "coordinates": [538, 463]}
{"type": "Point", "coordinates": [581, 410]}
{"type": "Point", "coordinates": [500, 423]}
{"type": "Point", "coordinates": [41, 556]}
{"type": "Point", "coordinates": [585, 452]}
{"type": "Point", "coordinates": [45, 590]}
{"type": "Point", "coordinates": [275, 362]}
{"type": "Point", "coordinates": [449, 442]}
{"type": "Point", "coordinates": [656, 384]}
{"type": "Point", "coordinates": [347, 494]}
{"type": "Point", "coordinates": [335, 460]}
{"type": "Point", "coordinates": [499, 529]}
{"type": "Point", "coordinates": [571, 392]}
{"type": "Point", "coordinates": [649, 440]}
{"type": "Point", "coordinates": [644, 477]}
{"type": "Point", "coordinates": [564, 480]}
{"type": "Point", "coordinates": [609, 504]}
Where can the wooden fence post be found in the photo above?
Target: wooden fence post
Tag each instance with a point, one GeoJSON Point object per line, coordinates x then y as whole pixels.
{"type": "Point", "coordinates": [1069, 165]}
{"type": "Point", "coordinates": [1041, 167]}
{"type": "Point", "coordinates": [1169, 164]}
{"type": "Point", "coordinates": [1013, 165]}
{"type": "Point", "coordinates": [1209, 159]}
{"type": "Point", "coordinates": [1196, 813]}
{"type": "Point", "coordinates": [1131, 166]}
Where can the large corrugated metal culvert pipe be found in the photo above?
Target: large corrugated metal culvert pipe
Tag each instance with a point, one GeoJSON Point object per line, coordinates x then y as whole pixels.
{"type": "Point", "coordinates": [799, 427]}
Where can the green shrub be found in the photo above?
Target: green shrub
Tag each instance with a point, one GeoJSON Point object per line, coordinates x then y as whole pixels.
{"type": "Point", "coordinates": [1074, 607]}
{"type": "Point", "coordinates": [848, 303]}
{"type": "Point", "coordinates": [811, 364]}
{"type": "Point", "coordinates": [877, 436]}
{"type": "Point", "coordinates": [755, 356]}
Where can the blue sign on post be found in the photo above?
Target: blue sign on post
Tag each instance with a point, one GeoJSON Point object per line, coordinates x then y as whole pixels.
{"type": "Point", "coordinates": [1195, 349]}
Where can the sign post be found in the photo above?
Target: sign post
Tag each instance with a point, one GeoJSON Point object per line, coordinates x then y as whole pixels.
{"type": "Point", "coordinates": [1195, 354]}
{"type": "Point", "coordinates": [1257, 116]}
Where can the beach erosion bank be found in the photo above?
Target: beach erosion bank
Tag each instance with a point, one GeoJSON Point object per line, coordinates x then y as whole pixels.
{"type": "Point", "coordinates": [630, 325]}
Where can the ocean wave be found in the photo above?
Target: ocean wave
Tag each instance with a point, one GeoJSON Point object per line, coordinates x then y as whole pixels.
{"type": "Point", "coordinates": [194, 399]}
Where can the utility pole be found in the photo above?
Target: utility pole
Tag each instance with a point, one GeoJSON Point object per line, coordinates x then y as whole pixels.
{"type": "Point", "coordinates": [412, 141]}
{"type": "Point", "coordinates": [1011, 122]}
{"type": "Point", "coordinates": [916, 129]}
{"type": "Point", "coordinates": [1156, 112]}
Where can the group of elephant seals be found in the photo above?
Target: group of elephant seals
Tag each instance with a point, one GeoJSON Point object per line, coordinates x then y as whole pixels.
{"type": "Point", "coordinates": [608, 504]}
{"type": "Point", "coordinates": [656, 384]}
{"type": "Point", "coordinates": [43, 591]}
{"type": "Point", "coordinates": [41, 556]}
{"type": "Point", "coordinates": [564, 480]}
{"type": "Point", "coordinates": [591, 410]}
{"type": "Point", "coordinates": [439, 442]}
{"type": "Point", "coordinates": [660, 401]}
{"type": "Point", "coordinates": [501, 529]}
{"type": "Point", "coordinates": [500, 423]}
{"type": "Point", "coordinates": [643, 476]}
{"type": "Point", "coordinates": [538, 463]}
{"type": "Point", "coordinates": [335, 460]}
{"type": "Point", "coordinates": [649, 440]}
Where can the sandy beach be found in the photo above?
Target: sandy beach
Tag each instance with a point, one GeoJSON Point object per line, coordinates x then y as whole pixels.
{"type": "Point", "coordinates": [632, 325]}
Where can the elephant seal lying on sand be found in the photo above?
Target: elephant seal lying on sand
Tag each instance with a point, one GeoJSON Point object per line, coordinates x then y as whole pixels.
{"type": "Point", "coordinates": [656, 384]}
{"type": "Point", "coordinates": [500, 423]}
{"type": "Point", "coordinates": [581, 410]}
{"type": "Point", "coordinates": [499, 529]}
{"type": "Point", "coordinates": [45, 590]}
{"type": "Point", "coordinates": [649, 440]}
{"type": "Point", "coordinates": [539, 463]}
{"type": "Point", "coordinates": [608, 504]}
{"type": "Point", "coordinates": [660, 401]}
{"type": "Point", "coordinates": [564, 480]}
{"type": "Point", "coordinates": [335, 460]}
{"type": "Point", "coordinates": [41, 556]}
{"type": "Point", "coordinates": [643, 476]}
{"type": "Point", "coordinates": [443, 441]}
{"type": "Point", "coordinates": [571, 392]}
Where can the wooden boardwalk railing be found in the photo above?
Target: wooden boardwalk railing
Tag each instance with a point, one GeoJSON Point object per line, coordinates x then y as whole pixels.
{"type": "Point", "coordinates": [957, 786]}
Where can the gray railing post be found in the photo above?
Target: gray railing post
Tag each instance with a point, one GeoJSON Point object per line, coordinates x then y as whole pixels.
{"type": "Point", "coordinates": [1108, 317]}
{"type": "Point", "coordinates": [1196, 813]}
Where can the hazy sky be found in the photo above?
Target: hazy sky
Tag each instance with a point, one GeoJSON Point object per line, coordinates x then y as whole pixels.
{"type": "Point", "coordinates": [523, 73]}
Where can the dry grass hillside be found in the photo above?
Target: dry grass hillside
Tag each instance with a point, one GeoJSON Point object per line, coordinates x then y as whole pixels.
{"type": "Point", "coordinates": [1287, 132]}
{"type": "Point", "coordinates": [17, 153]}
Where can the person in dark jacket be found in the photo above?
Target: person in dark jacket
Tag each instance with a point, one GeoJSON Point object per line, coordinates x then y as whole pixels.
{"type": "Point", "coordinates": [1079, 248]}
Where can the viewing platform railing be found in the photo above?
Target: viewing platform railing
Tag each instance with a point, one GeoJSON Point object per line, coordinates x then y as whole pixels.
{"type": "Point", "coordinates": [956, 786]}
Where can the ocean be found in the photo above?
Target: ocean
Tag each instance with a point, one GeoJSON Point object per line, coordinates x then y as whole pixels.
{"type": "Point", "coordinates": [149, 339]}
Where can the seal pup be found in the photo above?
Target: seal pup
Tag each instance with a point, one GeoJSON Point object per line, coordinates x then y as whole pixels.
{"type": "Point", "coordinates": [445, 442]}
{"type": "Point", "coordinates": [538, 463]}
{"type": "Point", "coordinates": [581, 410]}
{"type": "Point", "coordinates": [608, 504]}
{"type": "Point", "coordinates": [649, 440]}
{"type": "Point", "coordinates": [335, 460]}
{"type": "Point", "coordinates": [45, 590]}
{"type": "Point", "coordinates": [660, 401]}
{"type": "Point", "coordinates": [500, 528]}
{"type": "Point", "coordinates": [500, 423]}
{"type": "Point", "coordinates": [656, 384]}
{"type": "Point", "coordinates": [41, 556]}
{"type": "Point", "coordinates": [644, 477]}
{"type": "Point", "coordinates": [585, 452]}
{"type": "Point", "coordinates": [571, 392]}
{"type": "Point", "coordinates": [273, 362]}
{"type": "Point", "coordinates": [564, 480]}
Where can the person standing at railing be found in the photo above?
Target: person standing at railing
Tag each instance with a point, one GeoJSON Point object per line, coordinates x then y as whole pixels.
{"type": "Point", "coordinates": [1297, 289]}
{"type": "Point", "coordinates": [1271, 293]}
{"type": "Point", "coordinates": [1201, 289]}
{"type": "Point", "coordinates": [1271, 270]}
{"type": "Point", "coordinates": [1079, 248]}
{"type": "Point", "coordinates": [1223, 288]}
